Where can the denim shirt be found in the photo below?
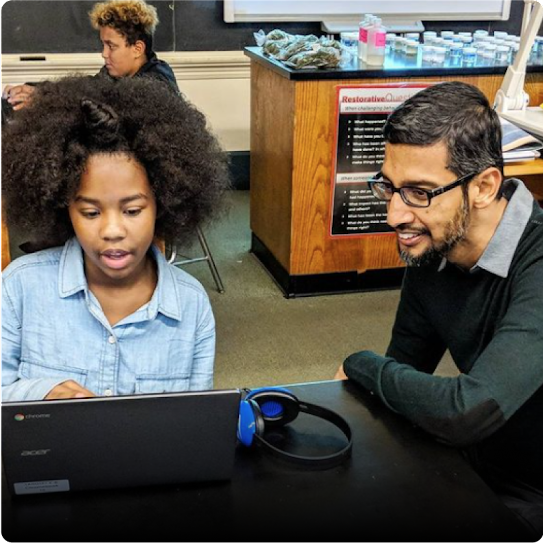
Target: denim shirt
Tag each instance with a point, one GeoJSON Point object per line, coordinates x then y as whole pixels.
{"type": "Point", "coordinates": [53, 329]}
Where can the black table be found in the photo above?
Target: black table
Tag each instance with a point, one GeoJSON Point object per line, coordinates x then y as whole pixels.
{"type": "Point", "coordinates": [399, 485]}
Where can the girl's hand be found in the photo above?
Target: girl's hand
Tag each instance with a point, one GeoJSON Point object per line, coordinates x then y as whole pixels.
{"type": "Point", "coordinates": [69, 389]}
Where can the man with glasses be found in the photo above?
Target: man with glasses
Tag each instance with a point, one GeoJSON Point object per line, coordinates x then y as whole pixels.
{"type": "Point", "coordinates": [473, 244]}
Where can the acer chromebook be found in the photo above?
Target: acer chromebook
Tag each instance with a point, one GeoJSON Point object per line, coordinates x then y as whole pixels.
{"type": "Point", "coordinates": [120, 441]}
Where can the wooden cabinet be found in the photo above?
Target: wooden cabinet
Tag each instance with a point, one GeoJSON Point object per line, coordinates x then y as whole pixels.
{"type": "Point", "coordinates": [532, 175]}
{"type": "Point", "coordinates": [292, 144]}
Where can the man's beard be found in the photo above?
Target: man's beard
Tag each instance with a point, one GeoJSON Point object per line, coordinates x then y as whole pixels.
{"type": "Point", "coordinates": [455, 232]}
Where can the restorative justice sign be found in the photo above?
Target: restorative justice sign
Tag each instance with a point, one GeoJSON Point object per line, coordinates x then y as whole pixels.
{"type": "Point", "coordinates": [361, 112]}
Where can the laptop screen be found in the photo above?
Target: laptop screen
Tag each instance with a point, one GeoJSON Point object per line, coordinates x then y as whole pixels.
{"type": "Point", "coordinates": [122, 441]}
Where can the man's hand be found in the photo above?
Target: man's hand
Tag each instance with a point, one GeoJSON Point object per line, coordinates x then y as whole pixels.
{"type": "Point", "coordinates": [69, 389]}
{"type": "Point", "coordinates": [19, 96]}
{"type": "Point", "coordinates": [340, 373]}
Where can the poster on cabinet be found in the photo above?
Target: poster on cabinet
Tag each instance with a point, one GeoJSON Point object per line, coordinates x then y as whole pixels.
{"type": "Point", "coordinates": [361, 113]}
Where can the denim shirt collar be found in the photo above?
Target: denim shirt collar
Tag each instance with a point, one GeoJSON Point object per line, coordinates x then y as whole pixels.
{"type": "Point", "coordinates": [72, 280]}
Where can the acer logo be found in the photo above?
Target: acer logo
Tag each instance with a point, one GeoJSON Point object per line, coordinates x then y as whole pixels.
{"type": "Point", "coordinates": [37, 452]}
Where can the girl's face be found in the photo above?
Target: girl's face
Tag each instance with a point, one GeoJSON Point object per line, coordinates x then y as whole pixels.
{"type": "Point", "coordinates": [113, 215]}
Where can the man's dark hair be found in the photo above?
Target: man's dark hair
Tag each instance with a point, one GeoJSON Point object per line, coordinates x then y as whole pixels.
{"type": "Point", "coordinates": [456, 114]}
{"type": "Point", "coordinates": [46, 148]}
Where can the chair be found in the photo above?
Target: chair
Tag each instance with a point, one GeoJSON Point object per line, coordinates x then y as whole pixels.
{"type": "Point", "coordinates": [207, 256]}
{"type": "Point", "coordinates": [6, 255]}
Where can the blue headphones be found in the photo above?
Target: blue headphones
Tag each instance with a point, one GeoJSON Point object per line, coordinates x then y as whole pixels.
{"type": "Point", "coordinates": [273, 407]}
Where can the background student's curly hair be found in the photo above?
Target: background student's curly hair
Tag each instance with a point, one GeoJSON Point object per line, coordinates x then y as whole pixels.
{"type": "Point", "coordinates": [133, 19]}
{"type": "Point", "coordinates": [44, 153]}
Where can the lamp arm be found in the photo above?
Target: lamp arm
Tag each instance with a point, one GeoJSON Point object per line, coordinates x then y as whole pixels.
{"type": "Point", "coordinates": [511, 95]}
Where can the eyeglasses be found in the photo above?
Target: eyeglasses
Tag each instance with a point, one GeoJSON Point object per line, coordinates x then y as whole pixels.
{"type": "Point", "coordinates": [383, 189]}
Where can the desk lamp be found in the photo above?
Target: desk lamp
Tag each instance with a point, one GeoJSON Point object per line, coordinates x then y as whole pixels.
{"type": "Point", "coordinates": [511, 100]}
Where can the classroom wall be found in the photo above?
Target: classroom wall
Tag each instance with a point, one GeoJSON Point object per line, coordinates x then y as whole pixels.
{"type": "Point", "coordinates": [205, 53]}
{"type": "Point", "coordinates": [30, 26]}
{"type": "Point", "coordinates": [217, 82]}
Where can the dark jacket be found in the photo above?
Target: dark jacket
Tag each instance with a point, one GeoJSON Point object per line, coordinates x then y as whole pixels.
{"type": "Point", "coordinates": [155, 68]}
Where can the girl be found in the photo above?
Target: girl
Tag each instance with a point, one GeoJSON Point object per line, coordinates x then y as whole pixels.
{"type": "Point", "coordinates": [102, 168]}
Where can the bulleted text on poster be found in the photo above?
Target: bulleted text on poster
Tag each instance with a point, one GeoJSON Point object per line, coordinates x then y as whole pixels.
{"type": "Point", "coordinates": [361, 114]}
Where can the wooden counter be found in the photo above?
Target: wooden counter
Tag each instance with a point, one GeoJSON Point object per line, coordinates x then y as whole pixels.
{"type": "Point", "coordinates": [532, 175]}
{"type": "Point", "coordinates": [293, 116]}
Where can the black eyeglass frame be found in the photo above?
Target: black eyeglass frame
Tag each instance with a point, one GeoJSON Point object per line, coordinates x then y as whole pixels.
{"type": "Point", "coordinates": [430, 194]}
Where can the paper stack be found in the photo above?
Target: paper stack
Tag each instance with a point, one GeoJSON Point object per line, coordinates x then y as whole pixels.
{"type": "Point", "coordinates": [517, 144]}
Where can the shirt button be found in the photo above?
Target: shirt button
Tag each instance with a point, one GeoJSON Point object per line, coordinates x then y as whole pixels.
{"type": "Point", "coordinates": [108, 392]}
{"type": "Point", "coordinates": [112, 339]}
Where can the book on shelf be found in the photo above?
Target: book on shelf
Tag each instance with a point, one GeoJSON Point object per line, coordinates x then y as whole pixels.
{"type": "Point", "coordinates": [520, 156]}
{"type": "Point", "coordinates": [517, 144]}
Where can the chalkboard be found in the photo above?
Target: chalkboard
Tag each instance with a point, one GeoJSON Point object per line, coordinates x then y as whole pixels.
{"type": "Point", "coordinates": [61, 26]}
{"type": "Point", "coordinates": [199, 26]}
{"type": "Point", "coordinates": [30, 26]}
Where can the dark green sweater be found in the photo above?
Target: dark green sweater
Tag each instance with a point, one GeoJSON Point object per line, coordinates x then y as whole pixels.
{"type": "Point", "coordinates": [493, 327]}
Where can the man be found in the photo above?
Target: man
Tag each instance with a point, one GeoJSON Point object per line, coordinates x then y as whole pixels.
{"type": "Point", "coordinates": [126, 31]}
{"type": "Point", "coordinates": [474, 249]}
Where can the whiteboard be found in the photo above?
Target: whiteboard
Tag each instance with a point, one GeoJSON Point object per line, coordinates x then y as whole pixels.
{"type": "Point", "coordinates": [236, 11]}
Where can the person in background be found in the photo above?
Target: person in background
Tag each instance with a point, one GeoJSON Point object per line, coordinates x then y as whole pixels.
{"type": "Point", "coordinates": [473, 244]}
{"type": "Point", "coordinates": [126, 31]}
{"type": "Point", "coordinates": [101, 169]}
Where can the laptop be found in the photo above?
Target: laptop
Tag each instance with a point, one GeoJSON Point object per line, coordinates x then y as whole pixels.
{"type": "Point", "coordinates": [120, 441]}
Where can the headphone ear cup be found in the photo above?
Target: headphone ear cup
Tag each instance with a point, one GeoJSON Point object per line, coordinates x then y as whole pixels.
{"type": "Point", "coordinates": [260, 423]}
{"type": "Point", "coordinates": [277, 406]}
{"type": "Point", "coordinates": [269, 408]}
{"type": "Point", "coordinates": [250, 422]}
